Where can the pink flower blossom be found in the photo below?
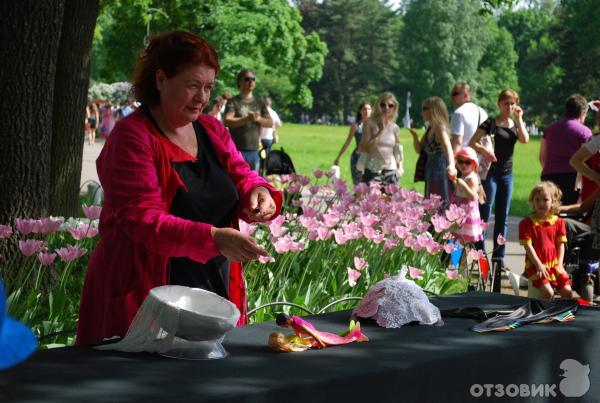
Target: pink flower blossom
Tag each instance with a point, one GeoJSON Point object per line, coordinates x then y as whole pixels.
{"type": "Point", "coordinates": [340, 186]}
{"type": "Point", "coordinates": [304, 180]}
{"type": "Point", "coordinates": [452, 274]}
{"type": "Point", "coordinates": [294, 187]}
{"type": "Point", "coordinates": [25, 226]}
{"type": "Point", "coordinates": [331, 219]}
{"type": "Point", "coordinates": [340, 237]}
{"type": "Point", "coordinates": [5, 231]}
{"type": "Point", "coordinates": [310, 212]}
{"type": "Point", "coordinates": [314, 189]}
{"type": "Point", "coordinates": [361, 188]}
{"type": "Point", "coordinates": [91, 212]}
{"type": "Point", "coordinates": [309, 223]}
{"type": "Point", "coordinates": [449, 247]}
{"type": "Point", "coordinates": [297, 202]}
{"type": "Point", "coordinates": [415, 273]}
{"type": "Point", "coordinates": [71, 252]}
{"type": "Point", "coordinates": [353, 276]}
{"type": "Point", "coordinates": [368, 220]}
{"type": "Point", "coordinates": [476, 254]}
{"type": "Point", "coordinates": [30, 247]}
{"type": "Point", "coordinates": [318, 174]}
{"type": "Point", "coordinates": [266, 259]}
{"type": "Point", "coordinates": [440, 223]}
{"type": "Point", "coordinates": [455, 214]}
{"type": "Point", "coordinates": [45, 258]}
{"type": "Point", "coordinates": [323, 233]}
{"type": "Point", "coordinates": [390, 243]}
{"type": "Point", "coordinates": [83, 230]}
{"type": "Point", "coordinates": [246, 228]}
{"type": "Point", "coordinates": [48, 225]}
{"type": "Point", "coordinates": [360, 263]}
{"type": "Point", "coordinates": [501, 240]}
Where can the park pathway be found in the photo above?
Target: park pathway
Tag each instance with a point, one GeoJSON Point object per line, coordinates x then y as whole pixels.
{"type": "Point", "coordinates": [514, 259]}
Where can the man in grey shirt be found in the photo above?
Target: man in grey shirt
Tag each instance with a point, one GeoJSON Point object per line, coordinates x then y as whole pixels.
{"type": "Point", "coordinates": [244, 116]}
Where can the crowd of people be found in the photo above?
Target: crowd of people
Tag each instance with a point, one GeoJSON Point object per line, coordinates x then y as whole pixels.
{"type": "Point", "coordinates": [101, 117]}
{"type": "Point", "coordinates": [466, 158]}
{"type": "Point", "coordinates": [177, 179]}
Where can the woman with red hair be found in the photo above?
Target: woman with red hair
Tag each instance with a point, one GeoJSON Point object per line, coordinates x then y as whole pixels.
{"type": "Point", "coordinates": [175, 187]}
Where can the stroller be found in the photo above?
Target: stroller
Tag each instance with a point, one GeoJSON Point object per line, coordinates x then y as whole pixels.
{"type": "Point", "coordinates": [581, 262]}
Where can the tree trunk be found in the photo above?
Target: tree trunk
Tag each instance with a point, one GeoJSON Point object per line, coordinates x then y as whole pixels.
{"type": "Point", "coordinates": [29, 41]}
{"type": "Point", "coordinates": [70, 97]}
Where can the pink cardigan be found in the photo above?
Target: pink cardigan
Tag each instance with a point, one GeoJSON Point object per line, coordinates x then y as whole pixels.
{"type": "Point", "coordinates": [138, 235]}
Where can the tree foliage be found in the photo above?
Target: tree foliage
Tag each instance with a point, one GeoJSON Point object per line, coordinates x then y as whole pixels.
{"type": "Point", "coordinates": [362, 61]}
{"type": "Point", "coordinates": [265, 35]}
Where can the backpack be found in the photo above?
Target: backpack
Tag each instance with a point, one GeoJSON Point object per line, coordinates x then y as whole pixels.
{"type": "Point", "coordinates": [278, 162]}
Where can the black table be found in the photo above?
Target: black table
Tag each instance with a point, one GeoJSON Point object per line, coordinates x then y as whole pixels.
{"type": "Point", "coordinates": [413, 364]}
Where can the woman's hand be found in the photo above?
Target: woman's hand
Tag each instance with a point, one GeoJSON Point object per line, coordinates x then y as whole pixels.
{"type": "Point", "coordinates": [451, 171]}
{"type": "Point", "coordinates": [489, 155]}
{"type": "Point", "coordinates": [237, 246]}
{"type": "Point", "coordinates": [519, 113]}
{"type": "Point", "coordinates": [261, 206]}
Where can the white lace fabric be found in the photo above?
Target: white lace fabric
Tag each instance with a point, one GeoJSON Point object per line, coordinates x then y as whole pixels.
{"type": "Point", "coordinates": [396, 301]}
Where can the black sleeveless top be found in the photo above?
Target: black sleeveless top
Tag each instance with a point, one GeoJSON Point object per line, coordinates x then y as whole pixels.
{"type": "Point", "coordinates": [211, 197]}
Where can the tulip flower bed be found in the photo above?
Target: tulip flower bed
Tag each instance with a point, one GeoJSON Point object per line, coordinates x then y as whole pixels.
{"type": "Point", "coordinates": [331, 243]}
{"type": "Point", "coordinates": [45, 294]}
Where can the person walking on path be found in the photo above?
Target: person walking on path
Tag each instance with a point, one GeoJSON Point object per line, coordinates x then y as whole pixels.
{"type": "Point", "coordinates": [498, 183]}
{"type": "Point", "coordinates": [270, 135]}
{"type": "Point", "coordinates": [244, 116]}
{"type": "Point", "coordinates": [466, 117]}
{"type": "Point", "coordinates": [356, 130]}
{"type": "Point", "coordinates": [560, 142]}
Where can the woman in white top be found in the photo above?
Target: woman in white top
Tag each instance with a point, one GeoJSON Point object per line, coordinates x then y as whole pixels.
{"type": "Point", "coordinates": [380, 144]}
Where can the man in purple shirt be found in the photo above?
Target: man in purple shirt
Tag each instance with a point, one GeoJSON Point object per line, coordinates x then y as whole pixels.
{"type": "Point", "coordinates": [560, 141]}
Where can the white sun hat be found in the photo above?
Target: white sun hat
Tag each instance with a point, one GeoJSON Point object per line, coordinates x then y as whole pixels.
{"type": "Point", "coordinates": [180, 322]}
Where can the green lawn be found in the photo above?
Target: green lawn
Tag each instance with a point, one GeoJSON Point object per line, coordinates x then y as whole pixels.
{"type": "Point", "coordinates": [315, 147]}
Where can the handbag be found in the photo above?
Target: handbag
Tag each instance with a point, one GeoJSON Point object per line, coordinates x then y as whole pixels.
{"type": "Point", "coordinates": [486, 141]}
{"type": "Point", "coordinates": [420, 167]}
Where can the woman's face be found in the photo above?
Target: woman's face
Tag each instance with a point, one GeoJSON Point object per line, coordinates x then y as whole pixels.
{"type": "Point", "coordinates": [507, 106]}
{"type": "Point", "coordinates": [186, 94]}
{"type": "Point", "coordinates": [365, 112]}
{"type": "Point", "coordinates": [425, 113]}
{"type": "Point", "coordinates": [387, 107]}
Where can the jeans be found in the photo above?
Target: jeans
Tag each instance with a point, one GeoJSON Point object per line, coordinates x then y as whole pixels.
{"type": "Point", "coordinates": [252, 158]}
{"type": "Point", "coordinates": [498, 187]}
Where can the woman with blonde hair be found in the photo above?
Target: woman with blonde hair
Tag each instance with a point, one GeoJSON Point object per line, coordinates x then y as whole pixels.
{"type": "Point", "coordinates": [498, 182]}
{"type": "Point", "coordinates": [439, 169]}
{"type": "Point", "coordinates": [381, 152]}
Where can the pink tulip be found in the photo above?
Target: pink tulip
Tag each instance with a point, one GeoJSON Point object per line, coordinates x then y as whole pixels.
{"type": "Point", "coordinates": [340, 186]}
{"type": "Point", "coordinates": [440, 223]}
{"type": "Point", "coordinates": [318, 174]}
{"type": "Point", "coordinates": [49, 226]}
{"type": "Point", "coordinates": [71, 252]}
{"type": "Point", "coordinates": [266, 259]}
{"type": "Point", "coordinates": [314, 189]}
{"type": "Point", "coordinates": [368, 220]}
{"type": "Point", "coordinates": [297, 202]}
{"type": "Point", "coordinates": [5, 231]}
{"type": "Point", "coordinates": [455, 213]}
{"type": "Point", "coordinates": [449, 247]}
{"type": "Point", "coordinates": [304, 180]}
{"type": "Point", "coordinates": [340, 236]}
{"type": "Point", "coordinates": [246, 228]}
{"type": "Point", "coordinates": [476, 254]}
{"type": "Point", "coordinates": [331, 219]}
{"type": "Point", "coordinates": [83, 230]}
{"type": "Point", "coordinates": [91, 212]}
{"type": "Point", "coordinates": [323, 233]}
{"type": "Point", "coordinates": [353, 276]}
{"type": "Point", "coordinates": [294, 188]}
{"type": "Point", "coordinates": [45, 258]}
{"type": "Point", "coordinates": [361, 188]}
{"type": "Point", "coordinates": [415, 273]}
{"type": "Point", "coordinates": [329, 174]}
{"type": "Point", "coordinates": [360, 263]}
{"type": "Point", "coordinates": [25, 226]}
{"type": "Point", "coordinates": [30, 247]}
{"type": "Point", "coordinates": [452, 274]}
{"type": "Point", "coordinates": [501, 240]}
{"type": "Point", "coordinates": [390, 243]}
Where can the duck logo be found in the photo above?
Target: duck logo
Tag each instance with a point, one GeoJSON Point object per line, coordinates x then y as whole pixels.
{"type": "Point", "coordinates": [576, 382]}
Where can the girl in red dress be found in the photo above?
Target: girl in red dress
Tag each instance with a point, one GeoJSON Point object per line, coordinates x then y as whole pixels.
{"type": "Point", "coordinates": [543, 235]}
